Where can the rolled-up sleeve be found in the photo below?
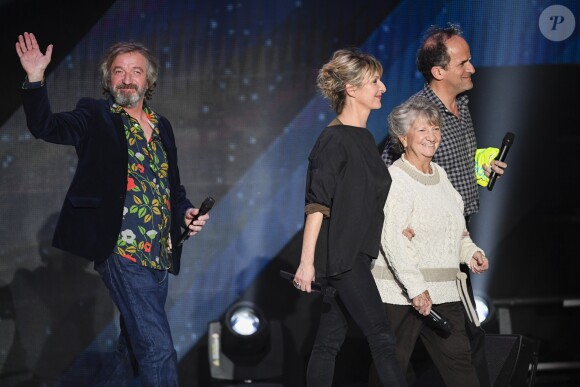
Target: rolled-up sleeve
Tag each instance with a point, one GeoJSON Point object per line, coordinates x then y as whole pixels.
{"type": "Point", "coordinates": [326, 162]}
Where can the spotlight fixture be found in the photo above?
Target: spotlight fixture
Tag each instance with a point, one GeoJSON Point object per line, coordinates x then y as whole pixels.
{"type": "Point", "coordinates": [245, 320]}
{"type": "Point", "coordinates": [244, 346]}
{"type": "Point", "coordinates": [485, 309]}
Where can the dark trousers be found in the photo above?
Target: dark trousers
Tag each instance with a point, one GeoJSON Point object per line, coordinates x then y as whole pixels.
{"type": "Point", "coordinates": [358, 296]}
{"type": "Point", "coordinates": [451, 355]}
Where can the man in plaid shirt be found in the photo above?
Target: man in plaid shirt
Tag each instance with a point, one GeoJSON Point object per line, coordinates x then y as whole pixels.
{"type": "Point", "coordinates": [444, 59]}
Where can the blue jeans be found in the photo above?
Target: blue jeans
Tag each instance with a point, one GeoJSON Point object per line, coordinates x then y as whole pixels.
{"type": "Point", "coordinates": [145, 345]}
{"type": "Point", "coordinates": [357, 295]}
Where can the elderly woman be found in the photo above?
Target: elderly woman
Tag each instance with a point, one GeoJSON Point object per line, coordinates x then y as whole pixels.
{"type": "Point", "coordinates": [420, 272]}
{"type": "Point", "coordinates": [346, 188]}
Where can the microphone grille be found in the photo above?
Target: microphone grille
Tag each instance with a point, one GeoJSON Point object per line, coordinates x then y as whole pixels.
{"type": "Point", "coordinates": [509, 138]}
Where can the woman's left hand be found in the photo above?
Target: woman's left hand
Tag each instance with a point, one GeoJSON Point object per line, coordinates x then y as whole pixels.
{"type": "Point", "coordinates": [479, 263]}
{"type": "Point", "coordinates": [305, 275]}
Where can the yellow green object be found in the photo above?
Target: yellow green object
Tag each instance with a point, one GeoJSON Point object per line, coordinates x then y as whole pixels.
{"type": "Point", "coordinates": [484, 156]}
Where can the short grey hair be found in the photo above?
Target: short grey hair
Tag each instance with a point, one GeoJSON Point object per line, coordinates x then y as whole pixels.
{"type": "Point", "coordinates": [403, 116]}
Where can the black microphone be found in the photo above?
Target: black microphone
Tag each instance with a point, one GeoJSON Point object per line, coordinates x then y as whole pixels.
{"type": "Point", "coordinates": [508, 140]}
{"type": "Point", "coordinates": [440, 321]}
{"type": "Point", "coordinates": [315, 286]}
{"type": "Point", "coordinates": [204, 209]}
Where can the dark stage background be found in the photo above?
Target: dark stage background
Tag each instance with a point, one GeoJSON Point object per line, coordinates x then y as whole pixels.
{"type": "Point", "coordinates": [237, 81]}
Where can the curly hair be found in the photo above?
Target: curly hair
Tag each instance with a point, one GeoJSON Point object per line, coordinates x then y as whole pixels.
{"type": "Point", "coordinates": [125, 48]}
{"type": "Point", "coordinates": [433, 51]}
{"type": "Point", "coordinates": [347, 66]}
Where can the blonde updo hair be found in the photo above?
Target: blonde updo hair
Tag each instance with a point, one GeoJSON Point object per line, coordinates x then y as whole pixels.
{"type": "Point", "coordinates": [347, 66]}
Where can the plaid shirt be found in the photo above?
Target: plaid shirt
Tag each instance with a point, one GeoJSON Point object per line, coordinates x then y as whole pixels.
{"type": "Point", "coordinates": [456, 153]}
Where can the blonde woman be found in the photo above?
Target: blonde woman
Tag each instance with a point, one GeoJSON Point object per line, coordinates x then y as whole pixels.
{"type": "Point", "coordinates": [346, 188]}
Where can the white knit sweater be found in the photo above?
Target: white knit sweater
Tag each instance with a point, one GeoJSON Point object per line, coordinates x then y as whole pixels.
{"type": "Point", "coordinates": [429, 205]}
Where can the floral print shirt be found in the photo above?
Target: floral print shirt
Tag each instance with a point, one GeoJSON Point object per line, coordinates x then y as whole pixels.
{"type": "Point", "coordinates": [144, 235]}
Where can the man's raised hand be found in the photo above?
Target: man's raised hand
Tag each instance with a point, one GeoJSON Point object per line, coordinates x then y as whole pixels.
{"type": "Point", "coordinates": [33, 61]}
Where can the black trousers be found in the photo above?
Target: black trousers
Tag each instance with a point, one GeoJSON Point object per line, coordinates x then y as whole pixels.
{"type": "Point", "coordinates": [357, 295]}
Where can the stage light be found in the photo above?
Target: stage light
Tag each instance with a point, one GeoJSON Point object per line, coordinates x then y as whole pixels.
{"type": "Point", "coordinates": [484, 307]}
{"type": "Point", "coordinates": [244, 321]}
{"type": "Point", "coordinates": [245, 346]}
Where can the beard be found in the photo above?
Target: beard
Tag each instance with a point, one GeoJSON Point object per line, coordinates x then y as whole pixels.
{"type": "Point", "coordinates": [124, 98]}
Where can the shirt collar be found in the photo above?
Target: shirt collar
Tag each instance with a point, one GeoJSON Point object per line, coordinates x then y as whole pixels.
{"type": "Point", "coordinates": [462, 99]}
{"type": "Point", "coordinates": [116, 108]}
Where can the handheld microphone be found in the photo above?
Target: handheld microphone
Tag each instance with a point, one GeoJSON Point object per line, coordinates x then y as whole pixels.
{"type": "Point", "coordinates": [508, 140]}
{"type": "Point", "coordinates": [440, 321]}
{"type": "Point", "coordinates": [315, 286]}
{"type": "Point", "coordinates": [204, 209]}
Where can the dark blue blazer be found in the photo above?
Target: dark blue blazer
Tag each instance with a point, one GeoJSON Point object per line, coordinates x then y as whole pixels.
{"type": "Point", "coordinates": [92, 212]}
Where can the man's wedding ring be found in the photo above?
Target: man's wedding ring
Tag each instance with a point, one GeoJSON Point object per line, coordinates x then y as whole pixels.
{"type": "Point", "coordinates": [296, 285]}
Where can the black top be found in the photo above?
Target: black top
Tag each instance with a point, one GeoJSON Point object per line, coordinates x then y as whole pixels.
{"type": "Point", "coordinates": [347, 175]}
